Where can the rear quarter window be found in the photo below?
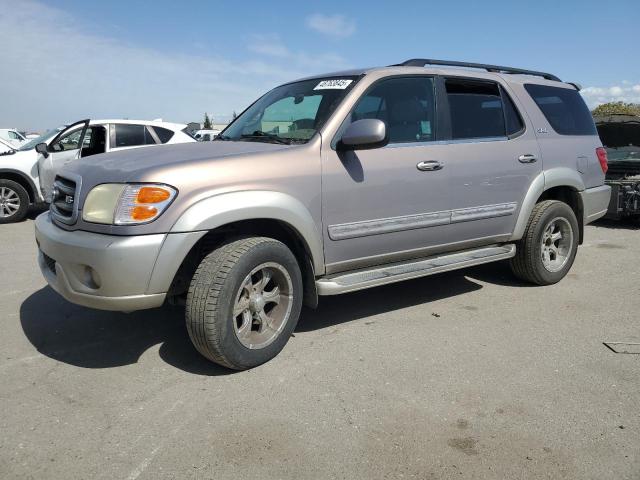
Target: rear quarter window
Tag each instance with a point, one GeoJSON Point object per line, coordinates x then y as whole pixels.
{"type": "Point", "coordinates": [164, 134]}
{"type": "Point", "coordinates": [564, 109]}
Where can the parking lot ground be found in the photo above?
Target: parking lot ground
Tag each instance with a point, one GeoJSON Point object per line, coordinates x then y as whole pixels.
{"type": "Point", "coordinates": [470, 374]}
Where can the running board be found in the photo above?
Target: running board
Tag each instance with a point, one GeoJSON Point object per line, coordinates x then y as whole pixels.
{"type": "Point", "coordinates": [396, 272]}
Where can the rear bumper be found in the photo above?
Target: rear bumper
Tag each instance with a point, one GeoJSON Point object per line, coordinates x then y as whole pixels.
{"type": "Point", "coordinates": [595, 202]}
{"type": "Point", "coordinates": [99, 271]}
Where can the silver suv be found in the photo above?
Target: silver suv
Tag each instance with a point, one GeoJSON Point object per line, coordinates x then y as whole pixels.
{"type": "Point", "coordinates": [327, 185]}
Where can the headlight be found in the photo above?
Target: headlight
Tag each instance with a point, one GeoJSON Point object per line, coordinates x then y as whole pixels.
{"type": "Point", "coordinates": [127, 204]}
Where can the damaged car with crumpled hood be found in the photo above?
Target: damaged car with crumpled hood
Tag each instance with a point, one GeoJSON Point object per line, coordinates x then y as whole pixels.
{"type": "Point", "coordinates": [620, 135]}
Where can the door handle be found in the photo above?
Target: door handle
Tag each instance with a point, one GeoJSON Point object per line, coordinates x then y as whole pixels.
{"type": "Point", "coordinates": [429, 166]}
{"type": "Point", "coordinates": [527, 158]}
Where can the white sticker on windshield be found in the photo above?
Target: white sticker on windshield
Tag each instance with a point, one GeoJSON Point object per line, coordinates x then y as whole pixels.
{"type": "Point", "coordinates": [337, 84]}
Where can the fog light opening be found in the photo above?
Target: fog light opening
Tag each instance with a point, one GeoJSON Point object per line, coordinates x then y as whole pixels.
{"type": "Point", "coordinates": [91, 278]}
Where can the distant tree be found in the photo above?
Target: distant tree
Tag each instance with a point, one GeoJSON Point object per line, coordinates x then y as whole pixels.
{"type": "Point", "coordinates": [207, 122]}
{"type": "Point", "coordinates": [617, 108]}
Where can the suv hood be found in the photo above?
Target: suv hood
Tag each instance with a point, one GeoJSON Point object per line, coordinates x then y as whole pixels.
{"type": "Point", "coordinates": [24, 160]}
{"type": "Point", "coordinates": [620, 134]}
{"type": "Point", "coordinates": [138, 164]}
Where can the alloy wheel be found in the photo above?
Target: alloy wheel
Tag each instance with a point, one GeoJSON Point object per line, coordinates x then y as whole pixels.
{"type": "Point", "coordinates": [9, 202]}
{"type": "Point", "coordinates": [262, 305]}
{"type": "Point", "coordinates": [557, 244]}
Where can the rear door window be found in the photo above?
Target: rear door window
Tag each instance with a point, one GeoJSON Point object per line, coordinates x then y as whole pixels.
{"type": "Point", "coordinates": [130, 135]}
{"type": "Point", "coordinates": [481, 109]}
{"type": "Point", "coordinates": [563, 108]}
{"type": "Point", "coordinates": [476, 109]}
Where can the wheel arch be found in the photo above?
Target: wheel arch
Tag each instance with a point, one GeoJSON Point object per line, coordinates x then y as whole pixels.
{"type": "Point", "coordinates": [20, 178]}
{"type": "Point", "coordinates": [206, 223]}
{"type": "Point", "coordinates": [256, 227]}
{"type": "Point", "coordinates": [563, 184]}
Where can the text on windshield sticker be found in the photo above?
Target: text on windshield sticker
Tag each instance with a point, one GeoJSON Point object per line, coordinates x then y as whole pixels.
{"type": "Point", "coordinates": [337, 84]}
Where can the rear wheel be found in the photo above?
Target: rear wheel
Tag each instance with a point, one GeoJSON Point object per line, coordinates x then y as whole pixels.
{"type": "Point", "coordinates": [14, 201]}
{"type": "Point", "coordinates": [548, 248]}
{"type": "Point", "coordinates": [244, 302]}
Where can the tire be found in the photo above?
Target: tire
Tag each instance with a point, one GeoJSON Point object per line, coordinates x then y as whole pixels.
{"type": "Point", "coordinates": [537, 263]}
{"type": "Point", "coordinates": [14, 201]}
{"type": "Point", "coordinates": [241, 275]}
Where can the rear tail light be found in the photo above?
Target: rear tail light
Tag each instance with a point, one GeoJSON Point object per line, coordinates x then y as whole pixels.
{"type": "Point", "coordinates": [602, 158]}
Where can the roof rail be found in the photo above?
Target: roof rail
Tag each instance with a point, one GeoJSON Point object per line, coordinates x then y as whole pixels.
{"type": "Point", "coordinates": [421, 62]}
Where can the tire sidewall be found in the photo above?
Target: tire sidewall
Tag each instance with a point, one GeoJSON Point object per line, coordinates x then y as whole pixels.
{"type": "Point", "coordinates": [556, 210]}
{"type": "Point", "coordinates": [237, 353]}
{"type": "Point", "coordinates": [24, 201]}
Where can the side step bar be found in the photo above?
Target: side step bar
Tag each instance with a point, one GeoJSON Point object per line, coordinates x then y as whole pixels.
{"type": "Point", "coordinates": [396, 272]}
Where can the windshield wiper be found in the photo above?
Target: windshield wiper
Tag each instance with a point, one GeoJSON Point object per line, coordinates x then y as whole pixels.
{"type": "Point", "coordinates": [260, 135]}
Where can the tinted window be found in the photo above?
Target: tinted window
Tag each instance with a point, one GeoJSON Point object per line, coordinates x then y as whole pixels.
{"type": "Point", "coordinates": [511, 115]}
{"type": "Point", "coordinates": [564, 109]}
{"type": "Point", "coordinates": [370, 106]}
{"type": "Point", "coordinates": [164, 134]}
{"type": "Point", "coordinates": [405, 105]}
{"type": "Point", "coordinates": [476, 109]}
{"type": "Point", "coordinates": [132, 135]}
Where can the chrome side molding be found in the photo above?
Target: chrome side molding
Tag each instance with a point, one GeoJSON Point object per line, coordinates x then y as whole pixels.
{"type": "Point", "coordinates": [364, 228]}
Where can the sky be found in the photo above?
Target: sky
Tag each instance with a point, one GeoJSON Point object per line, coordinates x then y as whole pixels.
{"type": "Point", "coordinates": [64, 60]}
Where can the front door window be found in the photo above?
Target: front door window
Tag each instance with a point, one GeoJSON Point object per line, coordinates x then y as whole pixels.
{"type": "Point", "coordinates": [70, 141]}
{"type": "Point", "coordinates": [406, 106]}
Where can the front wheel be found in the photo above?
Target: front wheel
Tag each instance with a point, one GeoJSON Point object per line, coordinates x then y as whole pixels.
{"type": "Point", "coordinates": [548, 248]}
{"type": "Point", "coordinates": [244, 302]}
{"type": "Point", "coordinates": [14, 201]}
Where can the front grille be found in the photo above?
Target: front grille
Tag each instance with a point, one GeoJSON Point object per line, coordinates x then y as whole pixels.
{"type": "Point", "coordinates": [49, 262]}
{"type": "Point", "coordinates": [63, 200]}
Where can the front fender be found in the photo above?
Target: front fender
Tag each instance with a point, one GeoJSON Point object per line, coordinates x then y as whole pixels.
{"type": "Point", "coordinates": [219, 210]}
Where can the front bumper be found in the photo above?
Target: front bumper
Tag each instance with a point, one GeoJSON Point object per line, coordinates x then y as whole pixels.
{"type": "Point", "coordinates": [99, 271]}
{"type": "Point", "coordinates": [595, 202]}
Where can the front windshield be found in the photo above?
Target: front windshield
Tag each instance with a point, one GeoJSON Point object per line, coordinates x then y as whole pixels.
{"type": "Point", "coordinates": [42, 138]}
{"type": "Point", "coordinates": [291, 113]}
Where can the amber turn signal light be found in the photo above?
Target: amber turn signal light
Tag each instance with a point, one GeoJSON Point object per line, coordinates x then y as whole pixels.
{"type": "Point", "coordinates": [152, 195]}
{"type": "Point", "coordinates": [140, 212]}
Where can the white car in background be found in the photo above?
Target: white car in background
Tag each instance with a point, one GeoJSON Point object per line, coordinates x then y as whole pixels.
{"type": "Point", "coordinates": [28, 174]}
{"type": "Point", "coordinates": [12, 136]}
{"type": "Point", "coordinates": [205, 135]}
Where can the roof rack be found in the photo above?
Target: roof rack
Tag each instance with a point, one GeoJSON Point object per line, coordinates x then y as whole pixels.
{"type": "Point", "coordinates": [421, 62]}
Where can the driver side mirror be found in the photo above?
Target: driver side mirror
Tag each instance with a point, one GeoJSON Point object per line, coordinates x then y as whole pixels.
{"type": "Point", "coordinates": [42, 148]}
{"type": "Point", "coordinates": [363, 135]}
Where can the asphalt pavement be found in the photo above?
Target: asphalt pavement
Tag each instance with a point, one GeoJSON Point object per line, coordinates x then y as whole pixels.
{"type": "Point", "coordinates": [470, 374]}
